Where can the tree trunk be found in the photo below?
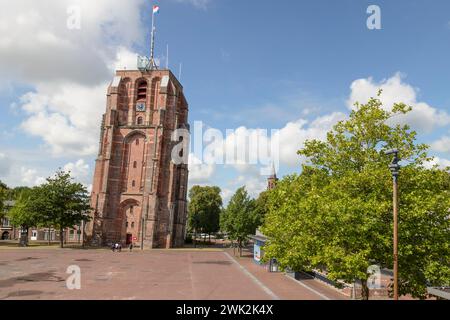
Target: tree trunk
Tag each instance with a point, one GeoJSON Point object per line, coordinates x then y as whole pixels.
{"type": "Point", "coordinates": [240, 249]}
{"type": "Point", "coordinates": [61, 238]}
{"type": "Point", "coordinates": [49, 236]}
{"type": "Point", "coordinates": [195, 238]}
{"type": "Point", "coordinates": [23, 242]}
{"type": "Point", "coordinates": [364, 290]}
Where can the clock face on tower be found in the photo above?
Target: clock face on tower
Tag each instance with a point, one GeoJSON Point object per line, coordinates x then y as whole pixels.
{"type": "Point", "coordinates": [140, 106]}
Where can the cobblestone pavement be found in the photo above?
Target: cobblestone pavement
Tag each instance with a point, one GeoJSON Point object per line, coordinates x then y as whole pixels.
{"type": "Point", "coordinates": [162, 274]}
{"type": "Point", "coordinates": [200, 275]}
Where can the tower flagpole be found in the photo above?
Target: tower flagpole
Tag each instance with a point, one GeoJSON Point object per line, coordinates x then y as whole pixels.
{"type": "Point", "coordinates": [152, 50]}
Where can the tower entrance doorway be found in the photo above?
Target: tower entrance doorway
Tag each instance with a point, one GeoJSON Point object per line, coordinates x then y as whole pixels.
{"type": "Point", "coordinates": [129, 239]}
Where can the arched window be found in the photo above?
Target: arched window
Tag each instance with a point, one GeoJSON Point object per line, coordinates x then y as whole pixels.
{"type": "Point", "coordinates": [181, 153]}
{"type": "Point", "coordinates": [139, 121]}
{"type": "Point", "coordinates": [135, 164]}
{"type": "Point", "coordinates": [132, 225]}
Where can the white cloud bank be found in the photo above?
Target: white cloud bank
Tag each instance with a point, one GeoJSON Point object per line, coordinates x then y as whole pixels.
{"type": "Point", "coordinates": [36, 44]}
{"type": "Point", "coordinates": [441, 145]}
{"type": "Point", "coordinates": [199, 173]}
{"type": "Point", "coordinates": [69, 69]}
{"type": "Point", "coordinates": [423, 117]}
{"type": "Point", "coordinates": [440, 162]}
{"type": "Point", "coordinates": [5, 165]}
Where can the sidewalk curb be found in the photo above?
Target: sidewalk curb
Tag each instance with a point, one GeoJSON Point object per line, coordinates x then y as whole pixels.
{"type": "Point", "coordinates": [256, 280]}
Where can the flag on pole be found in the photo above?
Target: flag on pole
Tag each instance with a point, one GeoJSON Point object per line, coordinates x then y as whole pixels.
{"type": "Point", "coordinates": [155, 9]}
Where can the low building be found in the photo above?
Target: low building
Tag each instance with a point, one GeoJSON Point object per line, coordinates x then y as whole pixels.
{"type": "Point", "coordinates": [442, 293]}
{"type": "Point", "coordinates": [259, 241]}
{"type": "Point", "coordinates": [36, 234]}
{"type": "Point", "coordinates": [7, 230]}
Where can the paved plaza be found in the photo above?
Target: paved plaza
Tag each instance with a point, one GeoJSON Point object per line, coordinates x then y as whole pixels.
{"type": "Point", "coordinates": [35, 273]}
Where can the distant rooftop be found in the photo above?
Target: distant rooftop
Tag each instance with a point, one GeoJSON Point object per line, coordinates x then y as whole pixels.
{"type": "Point", "coordinates": [9, 203]}
{"type": "Point", "coordinates": [441, 292]}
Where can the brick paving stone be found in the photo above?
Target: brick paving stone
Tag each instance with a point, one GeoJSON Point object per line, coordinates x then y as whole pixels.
{"type": "Point", "coordinates": [159, 274]}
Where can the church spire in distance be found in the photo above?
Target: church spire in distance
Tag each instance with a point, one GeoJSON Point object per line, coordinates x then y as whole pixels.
{"type": "Point", "coordinates": [272, 180]}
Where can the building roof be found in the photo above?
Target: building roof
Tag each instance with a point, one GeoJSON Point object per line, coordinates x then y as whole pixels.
{"type": "Point", "coordinates": [442, 292]}
{"type": "Point", "coordinates": [259, 238]}
{"type": "Point", "coordinates": [9, 203]}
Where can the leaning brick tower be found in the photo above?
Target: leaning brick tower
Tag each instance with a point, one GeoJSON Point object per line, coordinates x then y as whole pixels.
{"type": "Point", "coordinates": [139, 193]}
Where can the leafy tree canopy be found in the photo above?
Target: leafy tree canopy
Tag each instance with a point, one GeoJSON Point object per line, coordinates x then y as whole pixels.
{"type": "Point", "coordinates": [337, 215]}
{"type": "Point", "coordinates": [59, 202]}
{"type": "Point", "coordinates": [3, 193]}
{"type": "Point", "coordinates": [204, 208]}
{"type": "Point", "coordinates": [239, 219]}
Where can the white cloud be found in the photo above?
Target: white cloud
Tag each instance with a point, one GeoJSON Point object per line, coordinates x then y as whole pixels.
{"type": "Point", "coordinates": [37, 46]}
{"type": "Point", "coordinates": [441, 163]}
{"type": "Point", "coordinates": [69, 69]}
{"type": "Point", "coordinates": [293, 136]}
{"type": "Point", "coordinates": [422, 117]}
{"type": "Point", "coordinates": [30, 177]}
{"type": "Point", "coordinates": [66, 116]}
{"type": "Point", "coordinates": [441, 145]}
{"type": "Point", "coordinates": [226, 195]}
{"type": "Point", "coordinates": [78, 170]}
{"type": "Point", "coordinates": [198, 171]}
{"type": "Point", "coordinates": [247, 149]}
{"type": "Point", "coordinates": [5, 165]}
{"type": "Point", "coordinates": [125, 60]}
{"type": "Point", "coordinates": [254, 184]}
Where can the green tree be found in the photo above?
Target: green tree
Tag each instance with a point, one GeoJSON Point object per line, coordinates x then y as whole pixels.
{"type": "Point", "coordinates": [239, 219]}
{"type": "Point", "coordinates": [337, 215]}
{"type": "Point", "coordinates": [3, 194]}
{"type": "Point", "coordinates": [67, 205]}
{"type": "Point", "coordinates": [204, 209]}
{"type": "Point", "coordinates": [14, 193]}
{"type": "Point", "coordinates": [28, 211]}
{"type": "Point", "coordinates": [261, 207]}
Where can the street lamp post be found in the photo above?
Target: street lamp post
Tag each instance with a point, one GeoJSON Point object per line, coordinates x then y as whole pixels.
{"type": "Point", "coordinates": [395, 170]}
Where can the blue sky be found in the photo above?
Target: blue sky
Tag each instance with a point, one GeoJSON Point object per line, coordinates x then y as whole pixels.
{"type": "Point", "coordinates": [290, 65]}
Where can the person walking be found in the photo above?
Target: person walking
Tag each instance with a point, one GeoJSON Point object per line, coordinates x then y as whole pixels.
{"type": "Point", "coordinates": [131, 247]}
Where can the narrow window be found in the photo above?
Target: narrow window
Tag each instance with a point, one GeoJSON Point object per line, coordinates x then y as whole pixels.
{"type": "Point", "coordinates": [142, 91]}
{"type": "Point", "coordinates": [133, 184]}
{"type": "Point", "coordinates": [135, 164]}
{"type": "Point", "coordinates": [139, 121]}
{"type": "Point", "coordinates": [131, 209]}
{"type": "Point", "coordinates": [132, 225]}
{"type": "Point", "coordinates": [126, 224]}
{"type": "Point", "coordinates": [137, 142]}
